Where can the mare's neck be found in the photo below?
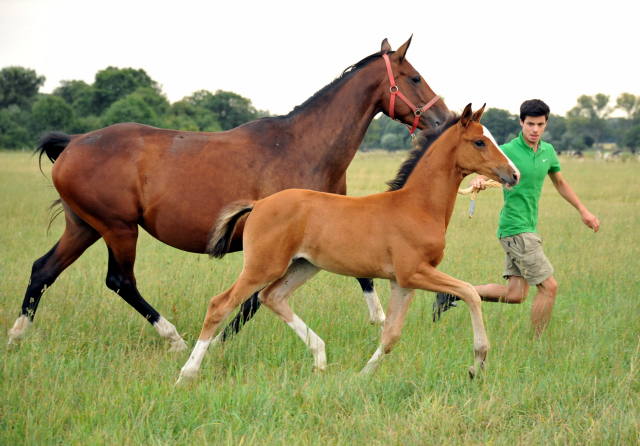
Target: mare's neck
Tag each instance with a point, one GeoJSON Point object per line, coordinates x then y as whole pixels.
{"type": "Point", "coordinates": [329, 129]}
{"type": "Point", "coordinates": [433, 184]}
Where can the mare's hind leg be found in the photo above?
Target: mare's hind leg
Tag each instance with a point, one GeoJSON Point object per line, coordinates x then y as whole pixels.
{"type": "Point", "coordinates": [120, 278]}
{"type": "Point", "coordinates": [77, 237]}
{"type": "Point", "coordinates": [376, 313]}
{"type": "Point", "coordinates": [276, 297]}
{"type": "Point", "coordinates": [399, 301]}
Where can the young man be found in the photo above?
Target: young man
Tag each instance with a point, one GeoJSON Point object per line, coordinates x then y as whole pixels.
{"type": "Point", "coordinates": [525, 263]}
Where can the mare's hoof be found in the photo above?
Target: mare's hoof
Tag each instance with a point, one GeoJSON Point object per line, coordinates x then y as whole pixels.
{"type": "Point", "coordinates": [178, 345]}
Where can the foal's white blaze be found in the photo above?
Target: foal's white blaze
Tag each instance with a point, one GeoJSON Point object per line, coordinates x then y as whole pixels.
{"type": "Point", "coordinates": [20, 327]}
{"type": "Point", "coordinates": [487, 133]}
{"type": "Point", "coordinates": [313, 341]}
{"type": "Point", "coordinates": [167, 330]}
{"type": "Point", "coordinates": [376, 313]}
{"type": "Point", "coordinates": [190, 369]}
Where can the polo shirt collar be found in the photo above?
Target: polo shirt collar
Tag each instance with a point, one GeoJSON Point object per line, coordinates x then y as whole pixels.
{"type": "Point", "coordinates": [524, 144]}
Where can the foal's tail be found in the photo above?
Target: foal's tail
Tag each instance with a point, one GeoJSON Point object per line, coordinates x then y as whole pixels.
{"type": "Point", "coordinates": [220, 239]}
{"type": "Point", "coordinates": [51, 144]}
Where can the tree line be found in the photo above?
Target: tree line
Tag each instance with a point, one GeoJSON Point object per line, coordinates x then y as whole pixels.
{"type": "Point", "coordinates": [116, 95]}
{"type": "Point", "coordinates": [130, 95]}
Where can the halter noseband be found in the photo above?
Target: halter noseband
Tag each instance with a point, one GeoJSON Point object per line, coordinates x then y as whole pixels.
{"type": "Point", "coordinates": [396, 91]}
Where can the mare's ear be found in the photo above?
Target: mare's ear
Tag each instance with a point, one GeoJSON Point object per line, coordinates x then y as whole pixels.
{"type": "Point", "coordinates": [466, 116]}
{"type": "Point", "coordinates": [402, 51]}
{"type": "Point", "coordinates": [385, 48]}
{"type": "Point", "coordinates": [478, 114]}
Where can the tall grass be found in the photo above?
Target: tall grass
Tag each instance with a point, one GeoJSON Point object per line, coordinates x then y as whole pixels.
{"type": "Point", "coordinates": [91, 371]}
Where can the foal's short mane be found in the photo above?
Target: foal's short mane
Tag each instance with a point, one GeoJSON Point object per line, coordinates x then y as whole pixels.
{"type": "Point", "coordinates": [348, 72]}
{"type": "Point", "coordinates": [425, 139]}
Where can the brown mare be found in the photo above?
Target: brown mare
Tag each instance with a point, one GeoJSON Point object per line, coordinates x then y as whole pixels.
{"type": "Point", "coordinates": [173, 184]}
{"type": "Point", "coordinates": [290, 236]}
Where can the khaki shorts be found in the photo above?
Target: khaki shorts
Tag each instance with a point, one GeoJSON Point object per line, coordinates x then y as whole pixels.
{"type": "Point", "coordinates": [525, 258]}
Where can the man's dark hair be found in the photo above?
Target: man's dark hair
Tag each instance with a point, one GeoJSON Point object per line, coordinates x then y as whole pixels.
{"type": "Point", "coordinates": [534, 108]}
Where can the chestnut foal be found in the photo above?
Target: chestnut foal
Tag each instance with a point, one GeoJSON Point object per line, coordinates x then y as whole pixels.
{"type": "Point", "coordinates": [290, 236]}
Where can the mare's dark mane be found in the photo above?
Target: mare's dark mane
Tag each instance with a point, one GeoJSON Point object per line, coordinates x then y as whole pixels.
{"type": "Point", "coordinates": [346, 74]}
{"type": "Point", "coordinates": [425, 139]}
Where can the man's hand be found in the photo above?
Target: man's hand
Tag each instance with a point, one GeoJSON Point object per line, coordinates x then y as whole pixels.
{"type": "Point", "coordinates": [590, 220]}
{"type": "Point", "coordinates": [478, 182]}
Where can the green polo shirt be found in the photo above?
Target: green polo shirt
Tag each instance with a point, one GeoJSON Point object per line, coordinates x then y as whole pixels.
{"type": "Point", "coordinates": [520, 211]}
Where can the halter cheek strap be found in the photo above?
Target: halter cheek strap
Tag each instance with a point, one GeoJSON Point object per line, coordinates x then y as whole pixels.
{"type": "Point", "coordinates": [395, 91]}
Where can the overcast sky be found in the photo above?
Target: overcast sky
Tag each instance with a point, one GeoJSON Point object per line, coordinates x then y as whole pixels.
{"type": "Point", "coordinates": [278, 53]}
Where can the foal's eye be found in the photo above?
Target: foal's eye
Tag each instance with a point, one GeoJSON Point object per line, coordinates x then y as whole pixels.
{"type": "Point", "coordinates": [479, 144]}
{"type": "Point", "coordinates": [416, 80]}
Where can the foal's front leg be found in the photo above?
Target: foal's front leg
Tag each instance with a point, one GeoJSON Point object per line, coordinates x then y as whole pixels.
{"type": "Point", "coordinates": [430, 279]}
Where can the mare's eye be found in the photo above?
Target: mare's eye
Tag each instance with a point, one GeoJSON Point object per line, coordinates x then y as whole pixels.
{"type": "Point", "coordinates": [416, 80]}
{"type": "Point", "coordinates": [479, 144]}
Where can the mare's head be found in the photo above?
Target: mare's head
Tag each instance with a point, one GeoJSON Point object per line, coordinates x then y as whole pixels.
{"type": "Point", "coordinates": [410, 83]}
{"type": "Point", "coordinates": [476, 150]}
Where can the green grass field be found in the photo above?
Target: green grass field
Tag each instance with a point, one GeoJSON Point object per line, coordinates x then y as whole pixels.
{"type": "Point", "coordinates": [92, 371]}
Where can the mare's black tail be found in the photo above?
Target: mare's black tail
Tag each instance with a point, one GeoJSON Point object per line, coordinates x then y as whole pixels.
{"type": "Point", "coordinates": [51, 144]}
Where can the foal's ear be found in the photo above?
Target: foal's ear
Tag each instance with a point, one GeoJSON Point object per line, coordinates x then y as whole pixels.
{"type": "Point", "coordinates": [466, 117]}
{"type": "Point", "coordinates": [478, 114]}
{"type": "Point", "coordinates": [385, 48]}
{"type": "Point", "coordinates": [402, 51]}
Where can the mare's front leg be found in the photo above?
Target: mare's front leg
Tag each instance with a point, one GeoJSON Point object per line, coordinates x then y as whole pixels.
{"type": "Point", "coordinates": [399, 302]}
{"type": "Point", "coordinates": [430, 279]}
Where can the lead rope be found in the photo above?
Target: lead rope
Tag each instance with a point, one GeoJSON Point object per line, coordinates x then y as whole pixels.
{"type": "Point", "coordinates": [467, 191]}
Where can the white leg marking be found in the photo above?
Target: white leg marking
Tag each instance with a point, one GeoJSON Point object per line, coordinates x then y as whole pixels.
{"type": "Point", "coordinates": [169, 332]}
{"type": "Point", "coordinates": [373, 363]}
{"type": "Point", "coordinates": [313, 341]}
{"type": "Point", "coordinates": [376, 313]}
{"type": "Point", "coordinates": [20, 327]}
{"type": "Point", "coordinates": [190, 369]}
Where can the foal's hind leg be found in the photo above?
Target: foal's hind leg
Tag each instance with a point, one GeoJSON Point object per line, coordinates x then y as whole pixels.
{"type": "Point", "coordinates": [249, 308]}
{"type": "Point", "coordinates": [120, 278]}
{"type": "Point", "coordinates": [399, 301]}
{"type": "Point", "coordinates": [220, 307]}
{"type": "Point", "coordinates": [376, 313]}
{"type": "Point", "coordinates": [276, 297]}
{"type": "Point", "coordinates": [77, 237]}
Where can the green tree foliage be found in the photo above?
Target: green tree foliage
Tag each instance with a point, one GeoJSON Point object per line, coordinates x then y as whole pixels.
{"type": "Point", "coordinates": [503, 125]}
{"type": "Point", "coordinates": [113, 83]}
{"type": "Point", "coordinates": [632, 138]}
{"type": "Point", "coordinates": [589, 117]}
{"type": "Point", "coordinates": [132, 108]}
{"type": "Point", "coordinates": [184, 115]}
{"type": "Point", "coordinates": [52, 113]}
{"type": "Point", "coordinates": [79, 95]}
{"type": "Point", "coordinates": [19, 86]}
{"type": "Point", "coordinates": [14, 128]}
{"type": "Point", "coordinates": [230, 108]}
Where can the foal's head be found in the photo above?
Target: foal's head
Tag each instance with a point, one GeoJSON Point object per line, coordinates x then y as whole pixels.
{"type": "Point", "coordinates": [475, 150]}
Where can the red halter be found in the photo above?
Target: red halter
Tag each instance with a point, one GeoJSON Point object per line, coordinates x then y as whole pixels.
{"type": "Point", "coordinates": [396, 91]}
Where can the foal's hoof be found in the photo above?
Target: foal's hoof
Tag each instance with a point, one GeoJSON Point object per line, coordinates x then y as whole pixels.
{"type": "Point", "coordinates": [19, 329]}
{"type": "Point", "coordinates": [472, 370]}
{"type": "Point", "coordinates": [178, 345]}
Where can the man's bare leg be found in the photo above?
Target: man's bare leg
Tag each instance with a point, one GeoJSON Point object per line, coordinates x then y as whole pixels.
{"type": "Point", "coordinates": [513, 293]}
{"type": "Point", "coordinates": [543, 305]}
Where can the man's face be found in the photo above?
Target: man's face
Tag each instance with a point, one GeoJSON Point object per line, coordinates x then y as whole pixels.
{"type": "Point", "coordinates": [533, 128]}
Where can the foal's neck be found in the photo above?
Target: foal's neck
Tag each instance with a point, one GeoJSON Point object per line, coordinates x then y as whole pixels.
{"type": "Point", "coordinates": [434, 182]}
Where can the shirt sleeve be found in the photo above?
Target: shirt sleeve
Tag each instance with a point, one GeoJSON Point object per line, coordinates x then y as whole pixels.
{"type": "Point", "coordinates": [554, 166]}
